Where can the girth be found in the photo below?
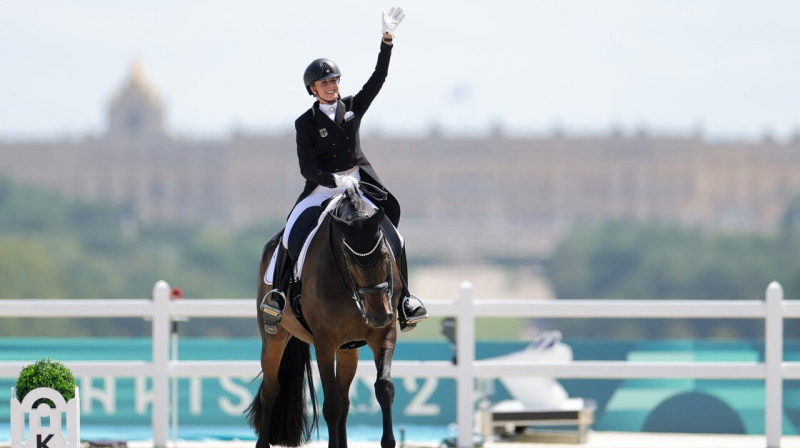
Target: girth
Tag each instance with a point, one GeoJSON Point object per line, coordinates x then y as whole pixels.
{"type": "Point", "coordinates": [294, 302]}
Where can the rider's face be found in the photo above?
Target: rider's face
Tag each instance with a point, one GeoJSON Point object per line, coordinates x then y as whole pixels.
{"type": "Point", "coordinates": [327, 90]}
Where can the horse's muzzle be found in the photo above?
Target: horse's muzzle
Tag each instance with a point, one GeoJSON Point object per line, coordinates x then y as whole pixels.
{"type": "Point", "coordinates": [378, 318]}
{"type": "Point", "coordinates": [380, 321]}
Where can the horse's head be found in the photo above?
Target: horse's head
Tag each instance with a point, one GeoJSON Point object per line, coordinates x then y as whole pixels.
{"type": "Point", "coordinates": [366, 258]}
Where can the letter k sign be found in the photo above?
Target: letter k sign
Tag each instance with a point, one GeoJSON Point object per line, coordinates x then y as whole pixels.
{"type": "Point", "coordinates": [42, 443]}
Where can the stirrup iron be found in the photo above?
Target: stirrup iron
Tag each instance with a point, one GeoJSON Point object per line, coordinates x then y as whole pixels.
{"type": "Point", "coordinates": [408, 323]}
{"type": "Point", "coordinates": [273, 312]}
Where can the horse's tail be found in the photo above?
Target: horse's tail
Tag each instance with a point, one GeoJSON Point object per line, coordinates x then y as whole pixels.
{"type": "Point", "coordinates": [289, 424]}
{"type": "Point", "coordinates": [255, 412]}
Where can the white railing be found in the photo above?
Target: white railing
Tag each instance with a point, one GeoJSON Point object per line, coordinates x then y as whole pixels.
{"type": "Point", "coordinates": [163, 311]}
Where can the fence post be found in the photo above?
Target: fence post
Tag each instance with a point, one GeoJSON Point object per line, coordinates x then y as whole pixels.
{"type": "Point", "coordinates": [161, 328]}
{"type": "Point", "coordinates": [465, 352]}
{"type": "Point", "coordinates": [773, 358]}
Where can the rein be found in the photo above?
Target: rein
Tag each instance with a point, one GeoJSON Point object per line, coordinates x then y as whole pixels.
{"type": "Point", "coordinates": [373, 192]}
{"type": "Point", "coordinates": [366, 254]}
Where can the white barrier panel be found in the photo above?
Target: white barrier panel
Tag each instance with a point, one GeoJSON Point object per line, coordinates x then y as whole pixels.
{"type": "Point", "coordinates": [163, 311]}
{"type": "Point", "coordinates": [50, 434]}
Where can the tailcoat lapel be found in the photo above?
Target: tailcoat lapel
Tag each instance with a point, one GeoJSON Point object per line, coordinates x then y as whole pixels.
{"type": "Point", "coordinates": [340, 111]}
{"type": "Point", "coordinates": [323, 121]}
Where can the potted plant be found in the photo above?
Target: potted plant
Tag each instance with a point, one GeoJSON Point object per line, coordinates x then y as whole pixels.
{"type": "Point", "coordinates": [46, 373]}
{"type": "Point", "coordinates": [45, 390]}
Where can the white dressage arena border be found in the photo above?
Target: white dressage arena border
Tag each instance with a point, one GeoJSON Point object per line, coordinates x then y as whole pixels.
{"type": "Point", "coordinates": [596, 440]}
{"type": "Point", "coordinates": [163, 311]}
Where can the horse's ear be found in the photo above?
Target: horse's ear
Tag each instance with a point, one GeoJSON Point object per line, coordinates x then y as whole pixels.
{"type": "Point", "coordinates": [339, 223]}
{"type": "Point", "coordinates": [376, 218]}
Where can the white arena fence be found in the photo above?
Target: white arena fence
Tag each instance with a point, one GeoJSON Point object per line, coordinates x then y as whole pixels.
{"type": "Point", "coordinates": [163, 311]}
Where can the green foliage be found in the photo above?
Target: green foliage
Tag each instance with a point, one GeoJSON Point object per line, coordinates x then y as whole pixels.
{"type": "Point", "coordinates": [626, 261]}
{"type": "Point", "coordinates": [46, 373]}
{"type": "Point", "coordinates": [54, 248]}
{"type": "Point", "coordinates": [646, 262]}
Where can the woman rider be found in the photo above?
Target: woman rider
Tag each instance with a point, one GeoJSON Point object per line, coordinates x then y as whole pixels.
{"type": "Point", "coordinates": [329, 152]}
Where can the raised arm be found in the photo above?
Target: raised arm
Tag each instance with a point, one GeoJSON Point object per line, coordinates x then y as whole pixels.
{"type": "Point", "coordinates": [369, 91]}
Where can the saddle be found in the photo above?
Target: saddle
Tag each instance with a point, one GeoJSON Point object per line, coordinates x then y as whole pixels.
{"type": "Point", "coordinates": [303, 233]}
{"type": "Point", "coordinates": [294, 290]}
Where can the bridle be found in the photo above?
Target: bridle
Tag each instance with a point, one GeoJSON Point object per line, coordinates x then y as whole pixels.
{"type": "Point", "coordinates": [357, 292]}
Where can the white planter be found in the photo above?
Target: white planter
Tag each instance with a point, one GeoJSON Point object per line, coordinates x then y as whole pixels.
{"type": "Point", "coordinates": [50, 435]}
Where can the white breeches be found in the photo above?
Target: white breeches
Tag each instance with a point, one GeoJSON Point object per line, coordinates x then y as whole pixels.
{"type": "Point", "coordinates": [315, 199]}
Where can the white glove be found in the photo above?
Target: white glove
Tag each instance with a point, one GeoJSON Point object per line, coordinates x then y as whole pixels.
{"type": "Point", "coordinates": [390, 21]}
{"type": "Point", "coordinates": [346, 181]}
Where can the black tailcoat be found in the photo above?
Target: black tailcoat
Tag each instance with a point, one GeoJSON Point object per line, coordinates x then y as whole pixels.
{"type": "Point", "coordinates": [326, 146]}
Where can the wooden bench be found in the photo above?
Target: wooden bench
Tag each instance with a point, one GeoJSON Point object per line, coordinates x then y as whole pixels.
{"type": "Point", "coordinates": [509, 424]}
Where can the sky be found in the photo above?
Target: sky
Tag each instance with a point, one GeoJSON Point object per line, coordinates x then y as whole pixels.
{"type": "Point", "coordinates": [727, 68]}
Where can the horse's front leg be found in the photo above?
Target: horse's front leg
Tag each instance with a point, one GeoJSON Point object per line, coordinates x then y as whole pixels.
{"type": "Point", "coordinates": [332, 403]}
{"type": "Point", "coordinates": [346, 365]}
{"type": "Point", "coordinates": [384, 388]}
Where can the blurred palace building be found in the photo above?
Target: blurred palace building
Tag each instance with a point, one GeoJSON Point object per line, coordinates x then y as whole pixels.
{"type": "Point", "coordinates": [493, 196]}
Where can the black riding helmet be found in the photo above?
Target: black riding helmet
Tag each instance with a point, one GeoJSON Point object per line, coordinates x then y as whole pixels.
{"type": "Point", "coordinates": [318, 70]}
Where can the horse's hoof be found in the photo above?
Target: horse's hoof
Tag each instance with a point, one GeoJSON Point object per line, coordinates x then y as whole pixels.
{"type": "Point", "coordinates": [270, 329]}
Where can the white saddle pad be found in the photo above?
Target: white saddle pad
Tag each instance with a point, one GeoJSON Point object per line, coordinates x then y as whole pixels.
{"type": "Point", "coordinates": [298, 268]}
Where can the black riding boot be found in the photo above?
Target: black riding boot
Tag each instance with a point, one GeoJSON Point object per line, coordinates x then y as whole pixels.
{"type": "Point", "coordinates": [274, 302]}
{"type": "Point", "coordinates": [412, 311]}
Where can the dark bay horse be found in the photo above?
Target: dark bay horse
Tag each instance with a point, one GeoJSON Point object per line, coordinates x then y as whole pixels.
{"type": "Point", "coordinates": [350, 291]}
